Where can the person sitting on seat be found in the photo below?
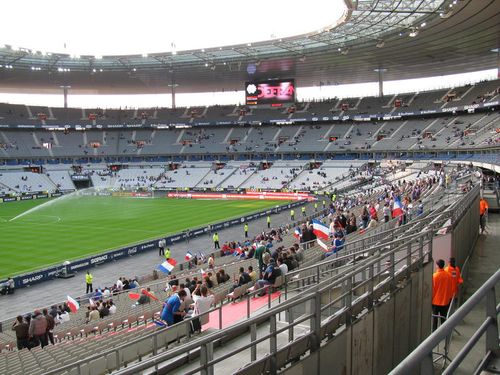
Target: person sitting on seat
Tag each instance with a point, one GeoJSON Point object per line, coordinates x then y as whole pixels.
{"type": "Point", "coordinates": [270, 275]}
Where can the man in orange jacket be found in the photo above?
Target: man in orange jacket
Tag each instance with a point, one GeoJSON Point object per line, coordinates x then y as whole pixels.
{"type": "Point", "coordinates": [483, 213]}
{"type": "Point", "coordinates": [442, 293]}
{"type": "Point", "coordinates": [454, 271]}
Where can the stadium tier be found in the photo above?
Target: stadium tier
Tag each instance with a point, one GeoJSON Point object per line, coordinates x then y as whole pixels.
{"type": "Point", "coordinates": [248, 206]}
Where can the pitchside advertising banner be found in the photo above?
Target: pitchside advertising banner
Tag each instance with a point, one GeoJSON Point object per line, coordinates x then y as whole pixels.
{"type": "Point", "coordinates": [30, 197]}
{"type": "Point", "coordinates": [82, 264]}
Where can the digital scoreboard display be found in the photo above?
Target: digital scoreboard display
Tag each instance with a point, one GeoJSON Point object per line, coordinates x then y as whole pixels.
{"type": "Point", "coordinates": [272, 93]}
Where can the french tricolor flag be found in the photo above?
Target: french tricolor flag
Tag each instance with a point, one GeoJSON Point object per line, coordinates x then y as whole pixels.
{"type": "Point", "coordinates": [167, 266]}
{"type": "Point", "coordinates": [320, 230]}
{"type": "Point", "coordinates": [73, 304]}
{"type": "Point", "coordinates": [397, 208]}
{"type": "Point", "coordinates": [188, 256]}
{"type": "Point", "coordinates": [323, 245]}
{"type": "Point", "coordinates": [297, 233]}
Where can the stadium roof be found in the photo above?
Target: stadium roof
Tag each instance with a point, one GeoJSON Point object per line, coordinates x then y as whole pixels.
{"type": "Point", "coordinates": [407, 38]}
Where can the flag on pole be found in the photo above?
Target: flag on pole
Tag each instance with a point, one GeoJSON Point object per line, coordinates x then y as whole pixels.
{"type": "Point", "coordinates": [188, 256]}
{"type": "Point", "coordinates": [167, 266]}
{"type": "Point", "coordinates": [320, 229]}
{"type": "Point", "coordinates": [397, 209]}
{"type": "Point", "coordinates": [150, 295]}
{"type": "Point", "coordinates": [297, 233]}
{"type": "Point", "coordinates": [134, 296]}
{"type": "Point", "coordinates": [73, 304]}
{"type": "Point", "coordinates": [323, 245]}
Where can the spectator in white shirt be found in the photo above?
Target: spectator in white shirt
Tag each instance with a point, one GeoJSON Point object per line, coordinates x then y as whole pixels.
{"type": "Point", "coordinates": [112, 307]}
{"type": "Point", "coordinates": [282, 266]}
{"type": "Point", "coordinates": [119, 284]}
{"type": "Point", "coordinates": [201, 306]}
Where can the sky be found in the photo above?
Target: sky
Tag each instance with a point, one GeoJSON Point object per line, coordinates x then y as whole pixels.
{"type": "Point", "coordinates": [114, 27]}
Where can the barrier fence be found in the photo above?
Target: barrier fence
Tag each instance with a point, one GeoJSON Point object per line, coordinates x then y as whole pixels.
{"type": "Point", "coordinates": [421, 360]}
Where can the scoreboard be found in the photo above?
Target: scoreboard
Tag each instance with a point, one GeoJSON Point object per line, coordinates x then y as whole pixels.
{"type": "Point", "coordinates": [273, 92]}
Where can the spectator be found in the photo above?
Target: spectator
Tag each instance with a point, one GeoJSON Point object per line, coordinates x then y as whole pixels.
{"type": "Point", "coordinates": [171, 312]}
{"type": "Point", "coordinates": [38, 329]}
{"type": "Point", "coordinates": [282, 266]}
{"type": "Point", "coordinates": [22, 333]}
{"type": "Point", "coordinates": [94, 314]}
{"type": "Point", "coordinates": [112, 307]}
{"type": "Point", "coordinates": [272, 272]}
{"type": "Point", "coordinates": [63, 316]}
{"type": "Point", "coordinates": [252, 274]}
{"type": "Point", "coordinates": [243, 279]}
{"type": "Point", "coordinates": [50, 325]}
{"type": "Point", "coordinates": [144, 298]}
{"type": "Point", "coordinates": [201, 306]}
{"type": "Point", "coordinates": [104, 310]}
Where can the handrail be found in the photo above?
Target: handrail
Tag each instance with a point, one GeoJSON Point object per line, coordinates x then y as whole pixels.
{"type": "Point", "coordinates": [282, 307]}
{"type": "Point", "coordinates": [425, 234]}
{"type": "Point", "coordinates": [422, 355]}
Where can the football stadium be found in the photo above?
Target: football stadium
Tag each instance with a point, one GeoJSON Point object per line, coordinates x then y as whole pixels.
{"type": "Point", "coordinates": [230, 188]}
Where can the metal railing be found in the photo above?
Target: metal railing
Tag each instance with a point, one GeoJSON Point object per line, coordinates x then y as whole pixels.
{"type": "Point", "coordinates": [421, 358]}
{"type": "Point", "coordinates": [360, 289]}
{"type": "Point", "coordinates": [377, 274]}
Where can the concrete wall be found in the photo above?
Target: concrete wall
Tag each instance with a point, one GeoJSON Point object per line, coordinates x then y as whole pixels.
{"type": "Point", "coordinates": [378, 340]}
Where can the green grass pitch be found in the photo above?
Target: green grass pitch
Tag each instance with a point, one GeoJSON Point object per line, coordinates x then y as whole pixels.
{"type": "Point", "coordinates": [69, 228]}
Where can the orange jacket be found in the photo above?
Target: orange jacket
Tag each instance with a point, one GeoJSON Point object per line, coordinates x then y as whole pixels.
{"type": "Point", "coordinates": [457, 277]}
{"type": "Point", "coordinates": [442, 288]}
{"type": "Point", "coordinates": [483, 206]}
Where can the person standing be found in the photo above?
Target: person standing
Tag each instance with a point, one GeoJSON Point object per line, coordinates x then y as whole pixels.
{"type": "Point", "coordinates": [442, 293]}
{"type": "Point", "coordinates": [22, 333]}
{"type": "Point", "coordinates": [303, 211]}
{"type": "Point", "coordinates": [161, 247]}
{"type": "Point", "coordinates": [483, 213]}
{"type": "Point", "coordinates": [245, 228]}
{"type": "Point", "coordinates": [38, 329]}
{"type": "Point", "coordinates": [167, 253]}
{"type": "Point", "coordinates": [88, 281]}
{"type": "Point", "coordinates": [51, 323]}
{"type": "Point", "coordinates": [292, 215]}
{"type": "Point", "coordinates": [215, 237]}
{"type": "Point", "coordinates": [454, 271]}
{"type": "Point", "coordinates": [201, 306]}
{"type": "Point", "coordinates": [316, 206]}
{"type": "Point", "coordinates": [268, 221]}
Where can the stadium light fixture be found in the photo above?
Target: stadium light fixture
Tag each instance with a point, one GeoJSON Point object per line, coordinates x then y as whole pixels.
{"type": "Point", "coordinates": [98, 57]}
{"type": "Point", "coordinates": [380, 44]}
{"type": "Point", "coordinates": [423, 24]}
{"type": "Point", "coordinates": [413, 33]}
{"type": "Point", "coordinates": [144, 55]}
{"type": "Point", "coordinates": [135, 69]}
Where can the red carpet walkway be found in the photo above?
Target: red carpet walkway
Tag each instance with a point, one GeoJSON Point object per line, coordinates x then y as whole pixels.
{"type": "Point", "coordinates": [234, 312]}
